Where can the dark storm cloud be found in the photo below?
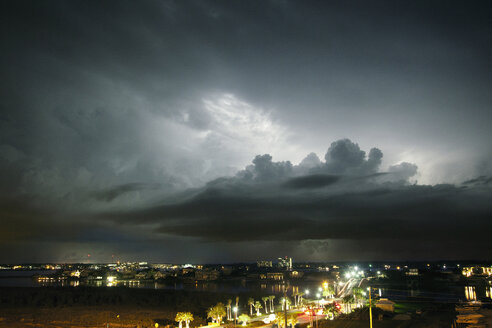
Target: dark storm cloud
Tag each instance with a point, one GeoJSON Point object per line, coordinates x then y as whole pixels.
{"type": "Point", "coordinates": [479, 180]}
{"type": "Point", "coordinates": [312, 181]}
{"type": "Point", "coordinates": [310, 161]}
{"type": "Point", "coordinates": [441, 212]}
{"type": "Point", "coordinates": [107, 109]}
{"type": "Point", "coordinates": [403, 171]}
{"type": "Point", "coordinates": [110, 194]}
{"type": "Point", "coordinates": [345, 157]}
{"type": "Point", "coordinates": [264, 169]}
{"type": "Point", "coordinates": [354, 208]}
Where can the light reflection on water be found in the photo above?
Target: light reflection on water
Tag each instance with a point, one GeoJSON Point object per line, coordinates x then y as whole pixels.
{"type": "Point", "coordinates": [235, 286]}
{"type": "Point", "coordinates": [454, 293]}
{"type": "Point", "coordinates": [470, 293]}
{"type": "Point", "coordinates": [488, 292]}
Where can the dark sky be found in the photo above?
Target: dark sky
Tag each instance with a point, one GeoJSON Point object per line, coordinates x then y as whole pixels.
{"type": "Point", "coordinates": [225, 131]}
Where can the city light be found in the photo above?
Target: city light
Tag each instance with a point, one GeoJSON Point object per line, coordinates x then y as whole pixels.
{"type": "Point", "coordinates": [111, 281]}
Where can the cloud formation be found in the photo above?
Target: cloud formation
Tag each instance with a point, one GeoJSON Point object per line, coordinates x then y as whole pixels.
{"type": "Point", "coordinates": [280, 207]}
{"type": "Point", "coordinates": [117, 120]}
{"type": "Point", "coordinates": [278, 203]}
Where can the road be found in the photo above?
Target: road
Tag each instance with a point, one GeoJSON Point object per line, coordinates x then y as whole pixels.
{"type": "Point", "coordinates": [304, 318]}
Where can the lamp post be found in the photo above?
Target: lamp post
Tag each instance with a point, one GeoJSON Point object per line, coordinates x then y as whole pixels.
{"type": "Point", "coordinates": [285, 285]}
{"type": "Point", "coordinates": [370, 308]}
{"type": "Point", "coordinates": [310, 314]}
{"type": "Point", "coordinates": [235, 315]}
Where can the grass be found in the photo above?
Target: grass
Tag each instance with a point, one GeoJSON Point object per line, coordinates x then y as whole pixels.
{"type": "Point", "coordinates": [403, 307]}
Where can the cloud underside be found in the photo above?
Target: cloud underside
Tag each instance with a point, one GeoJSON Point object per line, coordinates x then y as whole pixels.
{"type": "Point", "coordinates": [343, 201]}
{"type": "Point", "coordinates": [231, 214]}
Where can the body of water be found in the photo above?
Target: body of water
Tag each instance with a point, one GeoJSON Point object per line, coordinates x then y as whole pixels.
{"type": "Point", "coordinates": [17, 278]}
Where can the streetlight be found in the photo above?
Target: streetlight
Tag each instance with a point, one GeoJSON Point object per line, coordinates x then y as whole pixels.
{"type": "Point", "coordinates": [235, 315]}
{"type": "Point", "coordinates": [318, 295]}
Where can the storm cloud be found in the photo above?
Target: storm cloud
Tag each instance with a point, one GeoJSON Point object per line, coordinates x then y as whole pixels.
{"type": "Point", "coordinates": [125, 128]}
{"type": "Point", "coordinates": [281, 208]}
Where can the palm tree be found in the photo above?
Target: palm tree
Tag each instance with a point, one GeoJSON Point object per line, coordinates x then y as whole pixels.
{"type": "Point", "coordinates": [179, 318]}
{"type": "Point", "coordinates": [228, 307]}
{"type": "Point", "coordinates": [357, 292]}
{"type": "Point", "coordinates": [331, 309]}
{"type": "Point", "coordinates": [212, 313]}
{"type": "Point", "coordinates": [300, 297]}
{"type": "Point", "coordinates": [265, 299]}
{"type": "Point", "coordinates": [216, 313]}
{"type": "Point", "coordinates": [328, 291]}
{"type": "Point", "coordinates": [237, 307]}
{"type": "Point", "coordinates": [294, 295]}
{"type": "Point", "coordinates": [348, 300]}
{"type": "Point", "coordinates": [187, 317]}
{"type": "Point", "coordinates": [272, 306]}
{"type": "Point", "coordinates": [292, 320]}
{"type": "Point", "coordinates": [258, 307]}
{"type": "Point", "coordinates": [244, 318]}
{"type": "Point", "coordinates": [285, 302]}
{"type": "Point", "coordinates": [280, 319]}
{"type": "Point", "coordinates": [251, 303]}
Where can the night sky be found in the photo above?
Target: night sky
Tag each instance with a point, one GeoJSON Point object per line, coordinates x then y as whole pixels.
{"type": "Point", "coordinates": [228, 131]}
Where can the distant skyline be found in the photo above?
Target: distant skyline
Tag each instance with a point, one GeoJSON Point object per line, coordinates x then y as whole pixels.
{"type": "Point", "coordinates": [218, 131]}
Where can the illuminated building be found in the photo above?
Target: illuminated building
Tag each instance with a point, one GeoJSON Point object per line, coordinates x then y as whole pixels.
{"type": "Point", "coordinates": [285, 262]}
{"type": "Point", "coordinates": [412, 272]}
{"type": "Point", "coordinates": [477, 270]}
{"type": "Point", "coordinates": [264, 264]}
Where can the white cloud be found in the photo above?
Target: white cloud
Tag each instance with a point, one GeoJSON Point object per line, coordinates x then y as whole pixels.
{"type": "Point", "coordinates": [242, 128]}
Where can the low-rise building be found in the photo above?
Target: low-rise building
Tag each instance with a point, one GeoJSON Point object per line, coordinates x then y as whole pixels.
{"type": "Point", "coordinates": [412, 272]}
{"type": "Point", "coordinates": [160, 275]}
{"type": "Point", "coordinates": [207, 274]}
{"type": "Point", "coordinates": [296, 274]}
{"type": "Point", "coordinates": [477, 270]}
{"type": "Point", "coordinates": [285, 263]}
{"type": "Point", "coordinates": [272, 276]}
{"type": "Point", "coordinates": [264, 264]}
